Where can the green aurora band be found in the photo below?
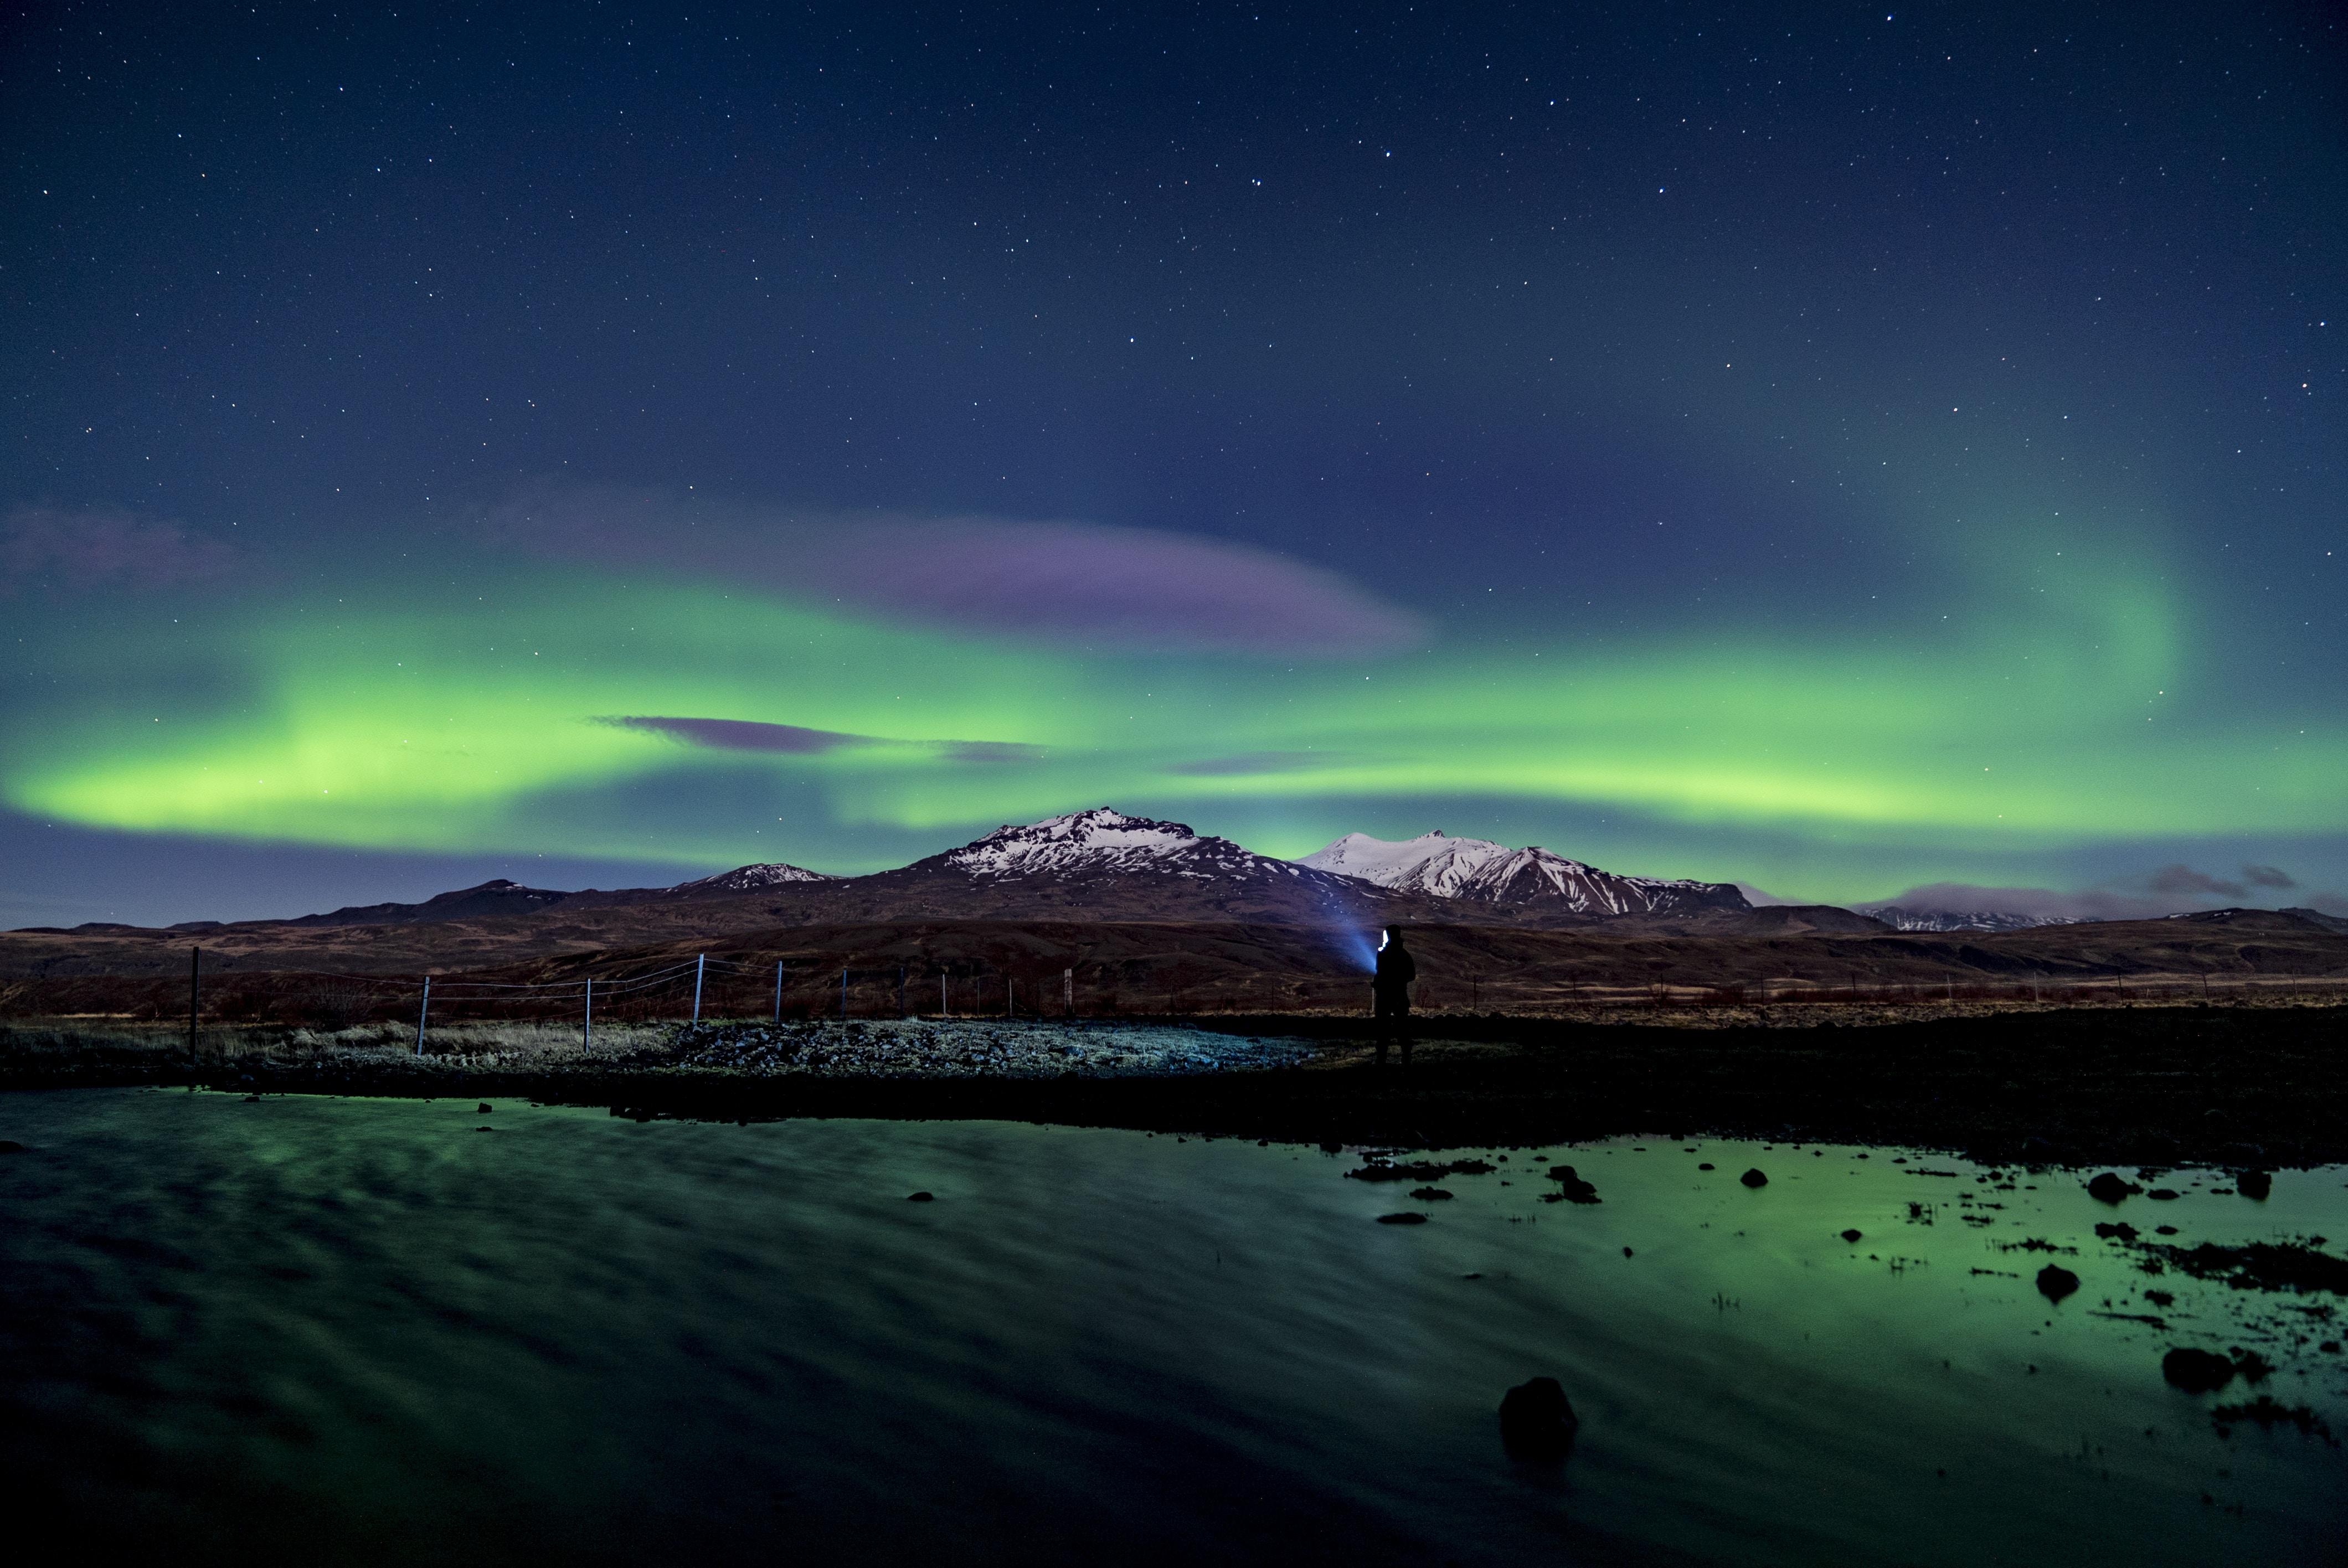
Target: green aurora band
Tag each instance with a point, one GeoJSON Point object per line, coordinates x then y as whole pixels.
{"type": "Point", "coordinates": [327, 722]}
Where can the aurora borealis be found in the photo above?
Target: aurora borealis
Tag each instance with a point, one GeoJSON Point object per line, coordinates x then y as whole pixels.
{"type": "Point", "coordinates": [1836, 453]}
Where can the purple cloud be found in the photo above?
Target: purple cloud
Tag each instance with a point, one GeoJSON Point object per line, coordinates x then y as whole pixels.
{"type": "Point", "coordinates": [2267, 876]}
{"type": "Point", "coordinates": [1076, 582]}
{"type": "Point", "coordinates": [104, 547]}
{"type": "Point", "coordinates": [739, 735]}
{"type": "Point", "coordinates": [1111, 589]}
{"type": "Point", "coordinates": [991, 751]}
{"type": "Point", "coordinates": [1246, 764]}
{"type": "Point", "coordinates": [2184, 880]}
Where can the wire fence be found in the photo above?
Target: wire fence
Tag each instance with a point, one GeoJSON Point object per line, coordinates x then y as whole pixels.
{"type": "Point", "coordinates": [801, 987]}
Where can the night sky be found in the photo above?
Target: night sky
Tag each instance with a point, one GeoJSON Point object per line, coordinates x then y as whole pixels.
{"type": "Point", "coordinates": [1829, 448]}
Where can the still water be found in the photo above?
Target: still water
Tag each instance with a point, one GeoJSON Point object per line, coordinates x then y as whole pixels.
{"type": "Point", "coordinates": [368, 1331]}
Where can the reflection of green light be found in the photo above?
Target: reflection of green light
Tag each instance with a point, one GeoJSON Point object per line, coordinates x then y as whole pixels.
{"type": "Point", "coordinates": [449, 728]}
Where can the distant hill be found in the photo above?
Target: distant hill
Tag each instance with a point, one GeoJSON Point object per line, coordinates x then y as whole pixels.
{"type": "Point", "coordinates": [1906, 917]}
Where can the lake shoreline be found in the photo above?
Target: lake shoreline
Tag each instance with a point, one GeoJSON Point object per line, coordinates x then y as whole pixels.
{"type": "Point", "coordinates": [2136, 1086]}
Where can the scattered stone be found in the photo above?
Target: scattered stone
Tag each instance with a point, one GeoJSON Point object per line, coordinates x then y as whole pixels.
{"type": "Point", "coordinates": [1753, 1178]}
{"type": "Point", "coordinates": [1406, 1219]}
{"type": "Point", "coordinates": [1626, 1252]}
{"type": "Point", "coordinates": [1430, 1194]}
{"type": "Point", "coordinates": [1537, 1421]}
{"type": "Point", "coordinates": [483, 1109]}
{"type": "Point", "coordinates": [921, 1197]}
{"type": "Point", "coordinates": [2195, 1371]}
{"type": "Point", "coordinates": [2253, 1367]}
{"type": "Point", "coordinates": [2161, 1298]}
{"type": "Point", "coordinates": [2164, 1230]}
{"type": "Point", "coordinates": [2110, 1189]}
{"type": "Point", "coordinates": [2163, 1194]}
{"type": "Point", "coordinates": [2259, 1266]}
{"type": "Point", "coordinates": [2254, 1183]}
{"type": "Point", "coordinates": [2123, 1231]}
{"type": "Point", "coordinates": [1705, 1167]}
{"type": "Point", "coordinates": [2055, 1282]}
{"type": "Point", "coordinates": [1850, 1235]}
{"type": "Point", "coordinates": [2270, 1413]}
{"type": "Point", "coordinates": [1471, 1168]}
{"type": "Point", "coordinates": [484, 1129]}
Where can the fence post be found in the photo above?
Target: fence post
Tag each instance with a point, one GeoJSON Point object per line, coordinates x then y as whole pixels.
{"type": "Point", "coordinates": [423, 1011]}
{"type": "Point", "coordinates": [1068, 991]}
{"type": "Point", "coordinates": [587, 1036]}
{"type": "Point", "coordinates": [700, 962]}
{"type": "Point", "coordinates": [942, 1013]}
{"type": "Point", "coordinates": [1009, 997]}
{"type": "Point", "coordinates": [195, 957]}
{"type": "Point", "coordinates": [779, 990]}
{"type": "Point", "coordinates": [843, 996]}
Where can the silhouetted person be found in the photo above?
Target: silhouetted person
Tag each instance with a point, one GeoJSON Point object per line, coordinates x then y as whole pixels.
{"type": "Point", "coordinates": [1390, 994]}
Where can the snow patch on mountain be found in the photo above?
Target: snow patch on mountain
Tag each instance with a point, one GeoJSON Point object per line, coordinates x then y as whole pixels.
{"type": "Point", "coordinates": [1908, 917]}
{"type": "Point", "coordinates": [751, 879]}
{"type": "Point", "coordinates": [1483, 871]}
{"type": "Point", "coordinates": [1431, 863]}
{"type": "Point", "coordinates": [1104, 841]}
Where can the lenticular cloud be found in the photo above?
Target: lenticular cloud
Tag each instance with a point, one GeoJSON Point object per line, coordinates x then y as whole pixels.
{"type": "Point", "coordinates": [1077, 582]}
{"type": "Point", "coordinates": [1108, 589]}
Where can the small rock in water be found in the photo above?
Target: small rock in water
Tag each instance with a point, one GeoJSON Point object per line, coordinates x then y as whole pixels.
{"type": "Point", "coordinates": [1401, 1219]}
{"type": "Point", "coordinates": [2055, 1283]}
{"type": "Point", "coordinates": [2108, 1188]}
{"type": "Point", "coordinates": [1537, 1421]}
{"type": "Point", "coordinates": [2122, 1231]}
{"type": "Point", "coordinates": [1753, 1178]}
{"type": "Point", "coordinates": [920, 1198]}
{"type": "Point", "coordinates": [10, 1146]}
{"type": "Point", "coordinates": [2165, 1195]}
{"type": "Point", "coordinates": [2254, 1183]}
{"type": "Point", "coordinates": [1429, 1194]}
{"type": "Point", "coordinates": [1850, 1235]}
{"type": "Point", "coordinates": [483, 1109]}
{"type": "Point", "coordinates": [2195, 1371]}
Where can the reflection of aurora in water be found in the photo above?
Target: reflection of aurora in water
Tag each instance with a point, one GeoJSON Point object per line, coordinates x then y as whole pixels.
{"type": "Point", "coordinates": [424, 729]}
{"type": "Point", "coordinates": [616, 1341]}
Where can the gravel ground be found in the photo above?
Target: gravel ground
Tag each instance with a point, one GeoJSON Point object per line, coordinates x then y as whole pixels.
{"type": "Point", "coordinates": [993, 1047]}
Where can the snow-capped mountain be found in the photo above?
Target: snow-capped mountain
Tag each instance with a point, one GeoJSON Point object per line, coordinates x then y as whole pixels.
{"type": "Point", "coordinates": [1479, 870]}
{"type": "Point", "coordinates": [750, 879]}
{"type": "Point", "coordinates": [1903, 918]}
{"type": "Point", "coordinates": [1102, 842]}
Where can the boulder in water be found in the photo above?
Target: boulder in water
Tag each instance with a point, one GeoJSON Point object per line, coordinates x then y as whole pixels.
{"type": "Point", "coordinates": [1570, 1186]}
{"type": "Point", "coordinates": [1850, 1235]}
{"type": "Point", "coordinates": [2110, 1189]}
{"type": "Point", "coordinates": [2054, 1283]}
{"type": "Point", "coordinates": [2254, 1183]}
{"type": "Point", "coordinates": [920, 1198]}
{"type": "Point", "coordinates": [1401, 1219]}
{"type": "Point", "coordinates": [1753, 1178]}
{"type": "Point", "coordinates": [2195, 1371]}
{"type": "Point", "coordinates": [1537, 1421]}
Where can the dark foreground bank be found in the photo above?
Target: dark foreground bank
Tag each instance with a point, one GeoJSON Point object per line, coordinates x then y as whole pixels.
{"type": "Point", "coordinates": [2266, 1086]}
